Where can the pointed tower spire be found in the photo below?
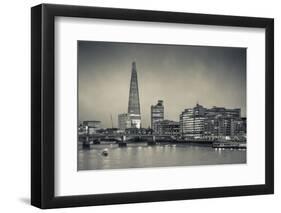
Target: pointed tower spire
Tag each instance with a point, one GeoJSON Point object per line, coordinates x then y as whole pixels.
{"type": "Point", "coordinates": [134, 102]}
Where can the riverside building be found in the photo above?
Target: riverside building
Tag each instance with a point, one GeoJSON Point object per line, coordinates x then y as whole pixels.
{"type": "Point", "coordinates": [167, 127]}
{"type": "Point", "coordinates": [214, 123]}
{"type": "Point", "coordinates": [157, 114]}
{"type": "Point", "coordinates": [192, 122]}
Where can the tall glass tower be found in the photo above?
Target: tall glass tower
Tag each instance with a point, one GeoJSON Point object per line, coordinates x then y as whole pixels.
{"type": "Point", "coordinates": [134, 101]}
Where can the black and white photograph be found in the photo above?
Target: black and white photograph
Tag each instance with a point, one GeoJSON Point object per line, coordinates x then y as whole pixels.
{"type": "Point", "coordinates": [147, 104]}
{"type": "Point", "coordinates": [144, 105]}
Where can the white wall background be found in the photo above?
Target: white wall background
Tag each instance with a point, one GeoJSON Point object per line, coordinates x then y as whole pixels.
{"type": "Point", "coordinates": [15, 105]}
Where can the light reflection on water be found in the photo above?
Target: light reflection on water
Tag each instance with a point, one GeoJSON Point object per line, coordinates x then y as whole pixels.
{"type": "Point", "coordinates": [141, 156]}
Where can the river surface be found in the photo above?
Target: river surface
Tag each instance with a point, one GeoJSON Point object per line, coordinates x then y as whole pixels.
{"type": "Point", "coordinates": [142, 156]}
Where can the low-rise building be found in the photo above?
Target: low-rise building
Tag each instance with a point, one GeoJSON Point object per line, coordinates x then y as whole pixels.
{"type": "Point", "coordinates": [138, 131]}
{"type": "Point", "coordinates": [167, 127]}
{"type": "Point", "coordinates": [91, 127]}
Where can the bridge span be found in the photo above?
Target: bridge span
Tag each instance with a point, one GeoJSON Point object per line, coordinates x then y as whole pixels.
{"type": "Point", "coordinates": [123, 140]}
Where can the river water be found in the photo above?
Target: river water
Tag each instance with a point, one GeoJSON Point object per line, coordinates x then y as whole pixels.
{"type": "Point", "coordinates": [141, 156]}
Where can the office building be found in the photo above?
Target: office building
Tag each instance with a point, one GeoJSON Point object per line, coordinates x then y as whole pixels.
{"type": "Point", "coordinates": [124, 121]}
{"type": "Point", "coordinates": [134, 101]}
{"type": "Point", "coordinates": [192, 122]}
{"type": "Point", "coordinates": [167, 127]}
{"type": "Point", "coordinates": [214, 123]}
{"type": "Point", "coordinates": [157, 113]}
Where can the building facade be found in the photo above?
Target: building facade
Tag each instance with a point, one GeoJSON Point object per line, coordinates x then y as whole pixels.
{"type": "Point", "coordinates": [138, 131]}
{"type": "Point", "coordinates": [157, 114]}
{"type": "Point", "coordinates": [124, 121]}
{"type": "Point", "coordinates": [239, 128]}
{"type": "Point", "coordinates": [167, 127]}
{"type": "Point", "coordinates": [214, 123]}
{"type": "Point", "coordinates": [192, 122]}
{"type": "Point", "coordinates": [220, 122]}
{"type": "Point", "coordinates": [221, 111]}
{"type": "Point", "coordinates": [91, 127]}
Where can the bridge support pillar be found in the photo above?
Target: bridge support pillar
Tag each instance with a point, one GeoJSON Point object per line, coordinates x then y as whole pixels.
{"type": "Point", "coordinates": [122, 144]}
{"type": "Point", "coordinates": [86, 144]}
{"type": "Point", "coordinates": [153, 142]}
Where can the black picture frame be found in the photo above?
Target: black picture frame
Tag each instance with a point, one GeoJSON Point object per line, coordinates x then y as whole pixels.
{"type": "Point", "coordinates": [43, 105]}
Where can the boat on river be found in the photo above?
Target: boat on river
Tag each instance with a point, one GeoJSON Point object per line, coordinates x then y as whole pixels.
{"type": "Point", "coordinates": [229, 145]}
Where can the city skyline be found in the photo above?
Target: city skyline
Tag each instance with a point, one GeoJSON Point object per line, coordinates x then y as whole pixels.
{"type": "Point", "coordinates": [181, 76]}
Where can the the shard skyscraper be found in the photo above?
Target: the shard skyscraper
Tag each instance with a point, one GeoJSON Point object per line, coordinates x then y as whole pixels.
{"type": "Point", "coordinates": [134, 101]}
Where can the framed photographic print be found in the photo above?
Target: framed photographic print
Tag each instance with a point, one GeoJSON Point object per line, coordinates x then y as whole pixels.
{"type": "Point", "coordinates": [139, 106]}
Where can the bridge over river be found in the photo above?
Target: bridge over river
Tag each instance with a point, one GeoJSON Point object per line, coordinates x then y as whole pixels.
{"type": "Point", "coordinates": [123, 140]}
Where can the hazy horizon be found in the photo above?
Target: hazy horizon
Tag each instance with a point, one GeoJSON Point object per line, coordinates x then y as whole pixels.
{"type": "Point", "coordinates": [180, 75]}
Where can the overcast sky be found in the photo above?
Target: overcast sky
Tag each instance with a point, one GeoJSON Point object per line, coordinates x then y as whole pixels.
{"type": "Point", "coordinates": [178, 75]}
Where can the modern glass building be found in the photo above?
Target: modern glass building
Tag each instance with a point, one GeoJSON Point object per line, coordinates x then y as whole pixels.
{"type": "Point", "coordinates": [132, 119]}
{"type": "Point", "coordinates": [157, 114]}
{"type": "Point", "coordinates": [134, 101]}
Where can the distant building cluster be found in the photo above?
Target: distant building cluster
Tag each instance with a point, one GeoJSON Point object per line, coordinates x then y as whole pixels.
{"type": "Point", "coordinates": [200, 122]}
{"type": "Point", "coordinates": [217, 122]}
{"type": "Point", "coordinates": [89, 127]}
{"type": "Point", "coordinates": [196, 123]}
